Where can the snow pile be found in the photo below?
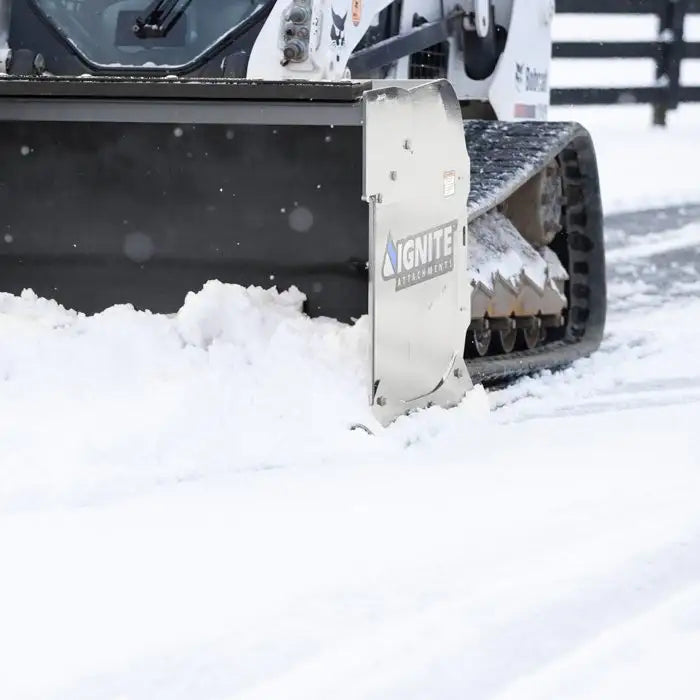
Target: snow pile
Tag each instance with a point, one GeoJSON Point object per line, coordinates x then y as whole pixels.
{"type": "Point", "coordinates": [237, 379]}
{"type": "Point", "coordinates": [231, 381]}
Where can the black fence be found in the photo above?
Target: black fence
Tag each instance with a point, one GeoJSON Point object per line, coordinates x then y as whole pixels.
{"type": "Point", "coordinates": [668, 51]}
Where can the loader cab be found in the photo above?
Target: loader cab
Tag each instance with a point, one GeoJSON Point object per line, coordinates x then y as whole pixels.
{"type": "Point", "coordinates": [134, 35]}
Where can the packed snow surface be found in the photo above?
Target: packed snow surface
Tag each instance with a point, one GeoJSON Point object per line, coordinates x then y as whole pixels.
{"type": "Point", "coordinates": [187, 513]}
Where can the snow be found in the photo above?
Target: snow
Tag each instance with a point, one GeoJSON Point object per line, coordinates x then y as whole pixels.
{"type": "Point", "coordinates": [186, 514]}
{"type": "Point", "coordinates": [641, 166]}
{"type": "Point", "coordinates": [497, 250]}
{"type": "Point", "coordinates": [664, 640]}
{"type": "Point", "coordinates": [186, 511]}
{"type": "Point", "coordinates": [199, 387]}
{"type": "Point", "coordinates": [653, 244]}
{"type": "Point", "coordinates": [346, 579]}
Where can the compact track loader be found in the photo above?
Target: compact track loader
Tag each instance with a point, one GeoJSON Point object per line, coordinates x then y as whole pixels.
{"type": "Point", "coordinates": [390, 158]}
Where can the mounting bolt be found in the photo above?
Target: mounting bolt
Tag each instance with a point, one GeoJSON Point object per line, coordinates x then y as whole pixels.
{"type": "Point", "coordinates": [294, 50]}
{"type": "Point", "coordinates": [39, 64]}
{"type": "Point", "coordinates": [458, 373]}
{"type": "Point", "coordinates": [381, 401]}
{"type": "Point", "coordinates": [393, 175]}
{"type": "Point", "coordinates": [298, 15]}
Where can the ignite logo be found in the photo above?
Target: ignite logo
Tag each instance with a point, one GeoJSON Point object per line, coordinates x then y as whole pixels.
{"type": "Point", "coordinates": [420, 257]}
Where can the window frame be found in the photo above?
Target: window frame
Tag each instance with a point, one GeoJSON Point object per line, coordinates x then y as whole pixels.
{"type": "Point", "coordinates": [258, 15]}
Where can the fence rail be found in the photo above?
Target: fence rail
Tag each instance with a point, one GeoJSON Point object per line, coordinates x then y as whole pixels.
{"type": "Point", "coordinates": [667, 51]}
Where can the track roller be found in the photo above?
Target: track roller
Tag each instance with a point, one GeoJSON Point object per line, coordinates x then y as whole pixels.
{"type": "Point", "coordinates": [479, 337]}
{"type": "Point", "coordinates": [531, 333]}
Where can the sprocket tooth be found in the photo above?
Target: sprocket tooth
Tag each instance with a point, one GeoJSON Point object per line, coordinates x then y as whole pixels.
{"type": "Point", "coordinates": [504, 300]}
{"type": "Point", "coordinates": [509, 276]}
{"type": "Point", "coordinates": [481, 298]}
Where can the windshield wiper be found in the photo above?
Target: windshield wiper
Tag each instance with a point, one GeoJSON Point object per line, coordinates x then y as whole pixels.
{"type": "Point", "coordinates": [161, 17]}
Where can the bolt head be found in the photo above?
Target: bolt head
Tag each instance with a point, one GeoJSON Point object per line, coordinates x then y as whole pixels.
{"type": "Point", "coordinates": [293, 51]}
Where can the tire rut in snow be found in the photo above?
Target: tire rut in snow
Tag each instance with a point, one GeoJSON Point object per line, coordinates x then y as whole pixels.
{"type": "Point", "coordinates": [653, 258]}
{"type": "Point", "coordinates": [652, 220]}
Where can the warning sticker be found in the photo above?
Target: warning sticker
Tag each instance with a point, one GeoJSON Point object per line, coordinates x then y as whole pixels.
{"type": "Point", "coordinates": [356, 11]}
{"type": "Point", "coordinates": [524, 111]}
{"type": "Point", "coordinates": [449, 183]}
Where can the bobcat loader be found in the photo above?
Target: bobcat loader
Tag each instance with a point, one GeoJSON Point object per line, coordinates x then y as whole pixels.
{"type": "Point", "coordinates": [390, 158]}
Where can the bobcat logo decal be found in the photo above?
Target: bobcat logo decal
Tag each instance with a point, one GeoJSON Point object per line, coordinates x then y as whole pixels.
{"type": "Point", "coordinates": [338, 32]}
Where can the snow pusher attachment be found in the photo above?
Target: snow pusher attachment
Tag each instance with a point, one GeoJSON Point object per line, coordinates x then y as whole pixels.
{"type": "Point", "coordinates": [361, 194]}
{"type": "Point", "coordinates": [127, 191]}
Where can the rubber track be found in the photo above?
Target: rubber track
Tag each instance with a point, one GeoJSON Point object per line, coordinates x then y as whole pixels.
{"type": "Point", "coordinates": [503, 156]}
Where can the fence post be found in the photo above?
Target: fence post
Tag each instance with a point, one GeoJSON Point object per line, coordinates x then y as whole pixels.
{"type": "Point", "coordinates": [668, 62]}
